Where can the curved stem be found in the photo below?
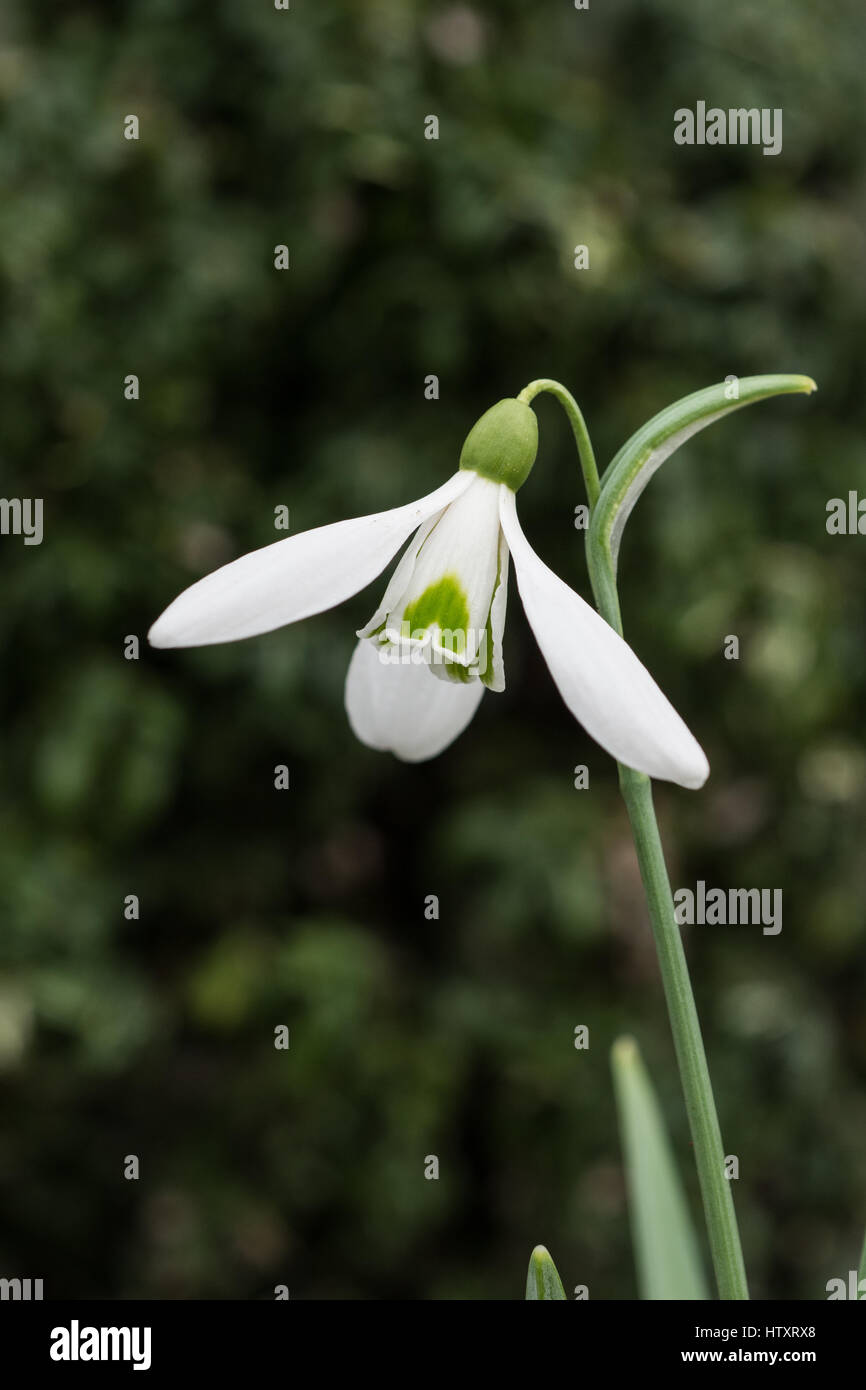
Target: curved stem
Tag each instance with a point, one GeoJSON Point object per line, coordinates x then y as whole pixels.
{"type": "Point", "coordinates": [636, 787]}
{"type": "Point", "coordinates": [578, 428]}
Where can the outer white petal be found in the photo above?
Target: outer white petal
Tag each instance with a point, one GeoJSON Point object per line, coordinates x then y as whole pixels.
{"type": "Point", "coordinates": [296, 577]}
{"type": "Point", "coordinates": [402, 708]}
{"type": "Point", "coordinates": [597, 673]}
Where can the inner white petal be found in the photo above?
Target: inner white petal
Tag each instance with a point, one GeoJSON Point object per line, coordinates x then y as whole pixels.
{"type": "Point", "coordinates": [445, 605]}
{"type": "Point", "coordinates": [493, 672]}
{"type": "Point", "coordinates": [399, 579]}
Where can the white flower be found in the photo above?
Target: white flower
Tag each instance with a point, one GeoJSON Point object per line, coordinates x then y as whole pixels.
{"type": "Point", "coordinates": [422, 662]}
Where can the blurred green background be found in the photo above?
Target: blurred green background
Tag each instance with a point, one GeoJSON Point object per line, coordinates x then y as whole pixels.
{"type": "Point", "coordinates": [409, 257]}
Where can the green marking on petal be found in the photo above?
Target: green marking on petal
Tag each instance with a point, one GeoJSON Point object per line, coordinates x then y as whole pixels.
{"type": "Point", "coordinates": [442, 605]}
{"type": "Point", "coordinates": [454, 671]}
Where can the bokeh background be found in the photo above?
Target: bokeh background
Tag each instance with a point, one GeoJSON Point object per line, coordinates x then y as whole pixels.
{"type": "Point", "coordinates": [154, 777]}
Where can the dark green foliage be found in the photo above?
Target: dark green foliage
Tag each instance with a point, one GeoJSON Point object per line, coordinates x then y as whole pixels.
{"type": "Point", "coordinates": [409, 257]}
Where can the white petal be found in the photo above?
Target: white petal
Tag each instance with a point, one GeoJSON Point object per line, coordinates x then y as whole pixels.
{"type": "Point", "coordinates": [494, 679]}
{"type": "Point", "coordinates": [597, 673]}
{"type": "Point", "coordinates": [446, 596]}
{"type": "Point", "coordinates": [396, 586]}
{"type": "Point", "coordinates": [294, 578]}
{"type": "Point", "coordinates": [400, 707]}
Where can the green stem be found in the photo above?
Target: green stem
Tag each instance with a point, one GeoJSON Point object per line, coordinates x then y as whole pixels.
{"type": "Point", "coordinates": [718, 1203]}
{"type": "Point", "coordinates": [636, 787]}
{"type": "Point", "coordinates": [578, 429]}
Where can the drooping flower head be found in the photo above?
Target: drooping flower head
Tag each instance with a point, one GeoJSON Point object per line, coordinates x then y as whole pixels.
{"type": "Point", "coordinates": [435, 643]}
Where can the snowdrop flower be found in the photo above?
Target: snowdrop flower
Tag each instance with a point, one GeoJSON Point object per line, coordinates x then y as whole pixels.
{"type": "Point", "coordinates": [434, 644]}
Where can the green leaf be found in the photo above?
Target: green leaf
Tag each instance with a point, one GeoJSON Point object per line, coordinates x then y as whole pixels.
{"type": "Point", "coordinates": [666, 1251]}
{"type": "Point", "coordinates": [542, 1280]}
{"type": "Point", "coordinates": [646, 451]}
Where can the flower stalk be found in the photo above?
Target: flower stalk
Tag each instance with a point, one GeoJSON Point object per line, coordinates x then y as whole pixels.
{"type": "Point", "coordinates": [585, 451]}
{"type": "Point", "coordinates": [721, 1220]}
{"type": "Point", "coordinates": [636, 787]}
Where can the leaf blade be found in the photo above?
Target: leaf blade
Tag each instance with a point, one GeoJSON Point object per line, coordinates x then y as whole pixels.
{"type": "Point", "coordinates": [542, 1280]}
{"type": "Point", "coordinates": [666, 1250]}
{"type": "Point", "coordinates": [648, 448]}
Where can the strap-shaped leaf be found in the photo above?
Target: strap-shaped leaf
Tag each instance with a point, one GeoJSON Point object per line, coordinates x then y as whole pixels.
{"type": "Point", "coordinates": [542, 1280]}
{"type": "Point", "coordinates": [666, 1251]}
{"type": "Point", "coordinates": [646, 451]}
